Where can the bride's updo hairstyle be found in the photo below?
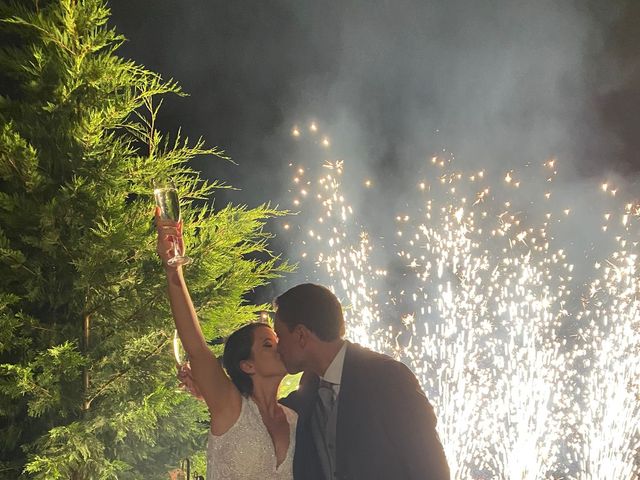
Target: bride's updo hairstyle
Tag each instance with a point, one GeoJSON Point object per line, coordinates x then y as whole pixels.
{"type": "Point", "coordinates": [236, 349]}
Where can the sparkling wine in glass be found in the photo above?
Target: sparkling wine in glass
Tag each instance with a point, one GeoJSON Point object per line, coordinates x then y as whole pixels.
{"type": "Point", "coordinates": [167, 199]}
{"type": "Point", "coordinates": [180, 356]}
{"type": "Point", "coordinates": [178, 350]}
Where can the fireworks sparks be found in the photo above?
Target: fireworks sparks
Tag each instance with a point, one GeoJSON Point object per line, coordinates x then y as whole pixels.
{"type": "Point", "coordinates": [534, 370]}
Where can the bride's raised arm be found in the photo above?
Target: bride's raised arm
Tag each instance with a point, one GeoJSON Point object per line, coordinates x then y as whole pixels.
{"type": "Point", "coordinates": [217, 390]}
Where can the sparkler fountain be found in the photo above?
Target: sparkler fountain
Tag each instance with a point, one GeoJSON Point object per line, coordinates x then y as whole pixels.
{"type": "Point", "coordinates": [534, 371]}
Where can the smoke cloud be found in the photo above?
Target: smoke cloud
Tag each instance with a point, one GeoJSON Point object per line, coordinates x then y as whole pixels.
{"type": "Point", "coordinates": [501, 85]}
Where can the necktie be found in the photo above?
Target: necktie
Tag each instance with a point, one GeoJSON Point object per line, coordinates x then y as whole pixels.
{"type": "Point", "coordinates": [326, 401]}
{"type": "Point", "coordinates": [324, 439]}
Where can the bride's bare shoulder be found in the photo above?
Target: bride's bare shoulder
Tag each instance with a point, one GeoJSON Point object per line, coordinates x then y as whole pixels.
{"type": "Point", "coordinates": [226, 416]}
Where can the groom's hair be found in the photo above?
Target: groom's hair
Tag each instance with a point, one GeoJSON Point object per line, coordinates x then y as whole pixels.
{"type": "Point", "coordinates": [315, 307]}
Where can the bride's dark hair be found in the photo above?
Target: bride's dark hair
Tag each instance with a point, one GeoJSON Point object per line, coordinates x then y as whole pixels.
{"type": "Point", "coordinates": [236, 349]}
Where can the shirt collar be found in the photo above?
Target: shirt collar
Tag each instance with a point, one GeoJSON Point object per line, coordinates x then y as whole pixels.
{"type": "Point", "coordinates": [334, 371]}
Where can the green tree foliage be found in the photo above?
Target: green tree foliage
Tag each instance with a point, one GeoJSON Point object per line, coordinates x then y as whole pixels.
{"type": "Point", "coordinates": [87, 379]}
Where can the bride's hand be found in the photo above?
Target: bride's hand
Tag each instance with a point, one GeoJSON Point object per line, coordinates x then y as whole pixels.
{"type": "Point", "coordinates": [169, 235]}
{"type": "Point", "coordinates": [186, 381]}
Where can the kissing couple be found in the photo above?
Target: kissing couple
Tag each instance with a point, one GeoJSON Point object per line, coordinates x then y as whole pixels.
{"type": "Point", "coordinates": [357, 414]}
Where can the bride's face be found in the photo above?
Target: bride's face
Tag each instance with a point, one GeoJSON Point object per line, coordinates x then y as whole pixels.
{"type": "Point", "coordinates": [264, 353]}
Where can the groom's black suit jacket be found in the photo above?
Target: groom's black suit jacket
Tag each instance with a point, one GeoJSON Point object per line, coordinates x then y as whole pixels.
{"type": "Point", "coordinates": [385, 427]}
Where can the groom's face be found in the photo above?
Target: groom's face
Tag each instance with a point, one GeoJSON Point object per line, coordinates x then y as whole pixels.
{"type": "Point", "coordinates": [288, 346]}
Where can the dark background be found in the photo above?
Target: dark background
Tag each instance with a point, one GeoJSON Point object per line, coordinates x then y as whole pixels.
{"type": "Point", "coordinates": [500, 83]}
{"type": "Point", "coordinates": [253, 68]}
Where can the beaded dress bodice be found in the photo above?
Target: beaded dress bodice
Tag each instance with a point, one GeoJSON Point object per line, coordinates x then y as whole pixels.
{"type": "Point", "coordinates": [246, 452]}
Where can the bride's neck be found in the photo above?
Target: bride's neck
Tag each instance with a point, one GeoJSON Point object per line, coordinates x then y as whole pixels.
{"type": "Point", "coordinates": [265, 394]}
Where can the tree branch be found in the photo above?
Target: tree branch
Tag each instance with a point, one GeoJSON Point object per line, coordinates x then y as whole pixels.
{"type": "Point", "coordinates": [122, 373]}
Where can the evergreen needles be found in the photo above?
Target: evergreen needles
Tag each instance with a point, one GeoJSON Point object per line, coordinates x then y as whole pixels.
{"type": "Point", "coordinates": [87, 381]}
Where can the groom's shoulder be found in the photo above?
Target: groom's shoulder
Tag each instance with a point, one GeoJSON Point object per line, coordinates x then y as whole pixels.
{"type": "Point", "coordinates": [365, 354]}
{"type": "Point", "coordinates": [370, 359]}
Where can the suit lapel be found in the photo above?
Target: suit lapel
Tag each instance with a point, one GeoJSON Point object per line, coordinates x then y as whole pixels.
{"type": "Point", "coordinates": [305, 462]}
{"type": "Point", "coordinates": [308, 391]}
{"type": "Point", "coordinates": [345, 404]}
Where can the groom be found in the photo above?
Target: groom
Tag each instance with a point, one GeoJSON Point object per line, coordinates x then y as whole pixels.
{"type": "Point", "coordinates": [361, 415]}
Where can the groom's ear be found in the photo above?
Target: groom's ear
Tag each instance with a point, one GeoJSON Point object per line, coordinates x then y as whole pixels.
{"type": "Point", "coordinates": [302, 334]}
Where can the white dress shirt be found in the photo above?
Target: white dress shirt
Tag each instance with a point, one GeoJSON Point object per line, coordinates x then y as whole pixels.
{"type": "Point", "coordinates": [333, 373]}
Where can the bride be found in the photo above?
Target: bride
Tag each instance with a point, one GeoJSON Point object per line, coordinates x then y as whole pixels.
{"type": "Point", "coordinates": [252, 436]}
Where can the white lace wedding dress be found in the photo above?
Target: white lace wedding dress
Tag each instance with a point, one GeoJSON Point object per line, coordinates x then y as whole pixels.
{"type": "Point", "coordinates": [245, 451]}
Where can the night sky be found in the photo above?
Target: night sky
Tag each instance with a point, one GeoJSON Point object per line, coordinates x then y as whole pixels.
{"type": "Point", "coordinates": [253, 68]}
{"type": "Point", "coordinates": [498, 83]}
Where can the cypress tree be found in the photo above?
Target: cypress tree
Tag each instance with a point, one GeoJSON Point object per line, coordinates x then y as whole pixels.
{"type": "Point", "coordinates": [87, 379]}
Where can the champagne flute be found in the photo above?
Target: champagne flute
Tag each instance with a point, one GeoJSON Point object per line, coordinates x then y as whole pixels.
{"type": "Point", "coordinates": [167, 199]}
{"type": "Point", "coordinates": [178, 350]}
{"type": "Point", "coordinates": [180, 355]}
